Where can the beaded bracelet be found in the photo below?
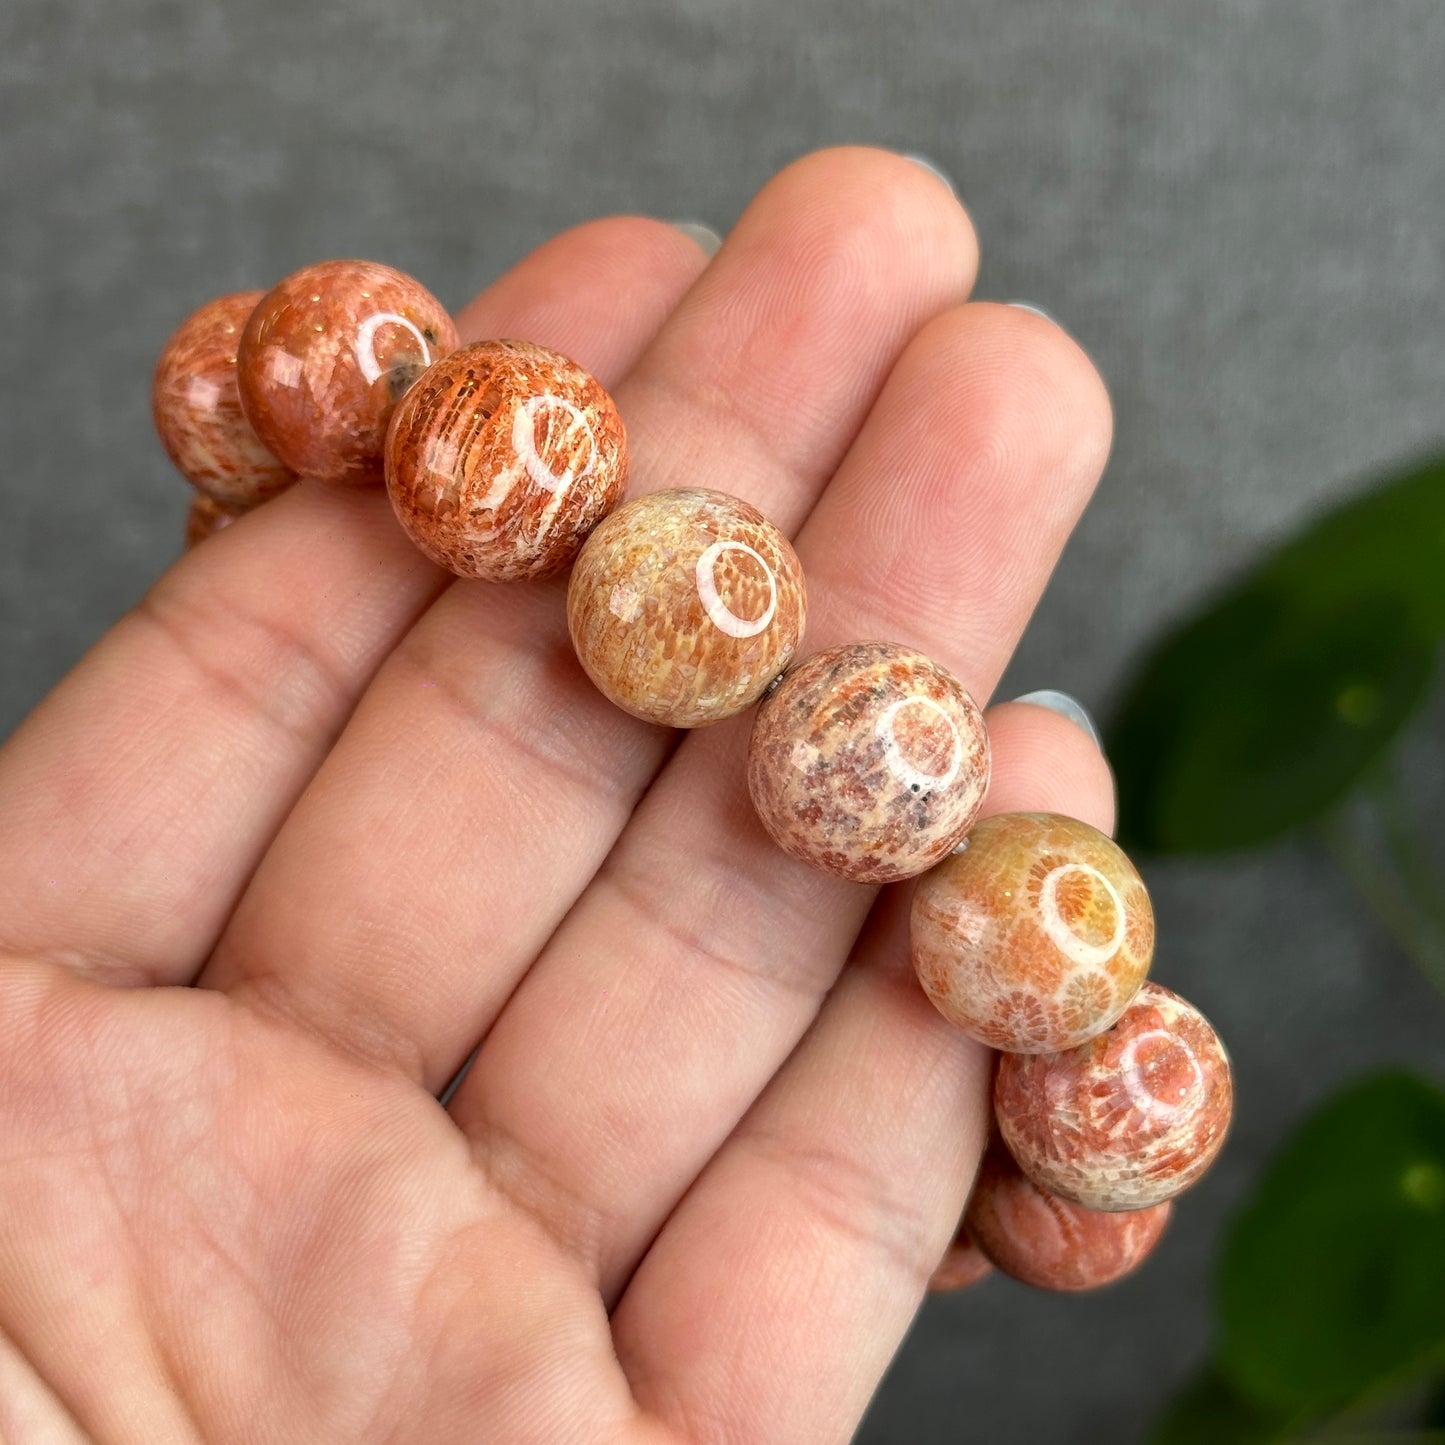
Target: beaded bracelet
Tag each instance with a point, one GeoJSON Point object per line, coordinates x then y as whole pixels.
{"type": "Point", "coordinates": [1031, 933]}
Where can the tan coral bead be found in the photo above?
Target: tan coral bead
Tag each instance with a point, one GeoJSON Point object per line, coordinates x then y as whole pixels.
{"type": "Point", "coordinates": [1035, 935]}
{"type": "Point", "coordinates": [325, 357]}
{"type": "Point", "coordinates": [684, 605]}
{"type": "Point", "coordinates": [502, 458]}
{"type": "Point", "coordinates": [1127, 1120]}
{"type": "Point", "coordinates": [1048, 1242]}
{"type": "Point", "coordinates": [197, 408]}
{"type": "Point", "coordinates": [870, 762]}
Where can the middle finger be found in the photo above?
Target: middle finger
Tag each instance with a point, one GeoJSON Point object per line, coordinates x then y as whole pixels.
{"type": "Point", "coordinates": [689, 970]}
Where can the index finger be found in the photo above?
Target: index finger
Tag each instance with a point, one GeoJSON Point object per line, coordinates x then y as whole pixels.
{"type": "Point", "coordinates": [137, 800]}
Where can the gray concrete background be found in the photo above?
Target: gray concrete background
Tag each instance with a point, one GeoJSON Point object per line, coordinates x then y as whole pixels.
{"type": "Point", "coordinates": [1237, 207]}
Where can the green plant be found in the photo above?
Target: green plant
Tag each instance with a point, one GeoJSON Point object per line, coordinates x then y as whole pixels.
{"type": "Point", "coordinates": [1283, 708]}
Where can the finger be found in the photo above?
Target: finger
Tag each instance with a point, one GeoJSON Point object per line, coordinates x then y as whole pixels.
{"type": "Point", "coordinates": [684, 978]}
{"type": "Point", "coordinates": [137, 799]}
{"type": "Point", "coordinates": [29, 1412]}
{"type": "Point", "coordinates": [496, 773]}
{"type": "Point", "coordinates": [838, 1194]}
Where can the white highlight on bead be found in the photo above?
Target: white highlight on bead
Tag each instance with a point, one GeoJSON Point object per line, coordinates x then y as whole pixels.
{"type": "Point", "coordinates": [804, 755]}
{"type": "Point", "coordinates": [366, 342]}
{"type": "Point", "coordinates": [283, 369]}
{"type": "Point", "coordinates": [524, 443]}
{"type": "Point", "coordinates": [1063, 937]}
{"type": "Point", "coordinates": [625, 601]}
{"type": "Point", "coordinates": [915, 779]}
{"type": "Point", "coordinates": [717, 610]}
{"type": "Point", "coordinates": [1145, 1101]}
{"type": "Point", "coordinates": [202, 394]}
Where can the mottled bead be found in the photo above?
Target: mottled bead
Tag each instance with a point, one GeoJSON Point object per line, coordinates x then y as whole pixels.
{"type": "Point", "coordinates": [325, 357]}
{"type": "Point", "coordinates": [197, 408]}
{"type": "Point", "coordinates": [1049, 1242]}
{"type": "Point", "coordinates": [208, 516]}
{"type": "Point", "coordinates": [1127, 1120]}
{"type": "Point", "coordinates": [962, 1265]}
{"type": "Point", "coordinates": [869, 762]}
{"type": "Point", "coordinates": [1035, 935]}
{"type": "Point", "coordinates": [502, 458]}
{"type": "Point", "coordinates": [685, 605]}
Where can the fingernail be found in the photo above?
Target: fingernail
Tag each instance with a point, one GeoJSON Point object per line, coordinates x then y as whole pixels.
{"type": "Point", "coordinates": [1037, 310]}
{"type": "Point", "coordinates": [705, 236]}
{"type": "Point", "coordinates": [1066, 706]}
{"type": "Point", "coordinates": [931, 167]}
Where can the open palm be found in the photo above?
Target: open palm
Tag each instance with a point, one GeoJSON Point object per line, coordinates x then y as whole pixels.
{"type": "Point", "coordinates": [310, 824]}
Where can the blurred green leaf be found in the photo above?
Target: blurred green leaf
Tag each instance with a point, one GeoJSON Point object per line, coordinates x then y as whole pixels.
{"type": "Point", "coordinates": [1332, 1282]}
{"type": "Point", "coordinates": [1296, 715]}
{"type": "Point", "coordinates": [1263, 712]}
{"type": "Point", "coordinates": [1210, 1411]}
{"type": "Point", "coordinates": [1435, 1405]}
{"type": "Point", "coordinates": [1389, 541]}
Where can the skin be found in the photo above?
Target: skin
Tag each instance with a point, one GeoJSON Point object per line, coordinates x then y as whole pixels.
{"type": "Point", "coordinates": [697, 1180]}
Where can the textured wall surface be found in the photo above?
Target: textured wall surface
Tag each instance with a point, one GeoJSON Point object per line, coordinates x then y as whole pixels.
{"type": "Point", "coordinates": [1236, 206]}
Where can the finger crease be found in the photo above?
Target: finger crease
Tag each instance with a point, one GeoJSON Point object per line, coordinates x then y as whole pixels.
{"type": "Point", "coordinates": [612, 784]}
{"type": "Point", "coordinates": [850, 1199]}
{"type": "Point", "coordinates": [294, 672]}
{"type": "Point", "coordinates": [358, 1034]}
{"type": "Point", "coordinates": [579, 1228]}
{"type": "Point", "coordinates": [780, 969]}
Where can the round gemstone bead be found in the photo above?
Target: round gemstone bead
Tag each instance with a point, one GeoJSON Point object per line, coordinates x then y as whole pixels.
{"type": "Point", "coordinates": [1035, 935]}
{"type": "Point", "coordinates": [502, 458]}
{"type": "Point", "coordinates": [325, 357]}
{"type": "Point", "coordinates": [685, 605]}
{"type": "Point", "coordinates": [1049, 1242]}
{"type": "Point", "coordinates": [1127, 1120]}
{"type": "Point", "coordinates": [197, 408]}
{"type": "Point", "coordinates": [963, 1264]}
{"type": "Point", "coordinates": [208, 516]}
{"type": "Point", "coordinates": [869, 762]}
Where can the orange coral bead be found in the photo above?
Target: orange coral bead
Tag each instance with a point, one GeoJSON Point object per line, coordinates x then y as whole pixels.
{"type": "Point", "coordinates": [1049, 1242]}
{"type": "Point", "coordinates": [685, 605]}
{"type": "Point", "coordinates": [1127, 1120]}
{"type": "Point", "coordinates": [962, 1265]}
{"type": "Point", "coordinates": [207, 517]}
{"type": "Point", "coordinates": [325, 357]}
{"type": "Point", "coordinates": [502, 458]}
{"type": "Point", "coordinates": [197, 408]}
{"type": "Point", "coordinates": [869, 762]}
{"type": "Point", "coordinates": [1035, 935]}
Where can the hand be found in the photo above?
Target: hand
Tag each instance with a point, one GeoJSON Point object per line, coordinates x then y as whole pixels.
{"type": "Point", "coordinates": [715, 1138]}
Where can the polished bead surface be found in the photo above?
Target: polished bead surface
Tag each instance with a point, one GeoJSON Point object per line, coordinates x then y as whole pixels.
{"type": "Point", "coordinates": [1035, 935]}
{"type": "Point", "coordinates": [869, 762]}
{"type": "Point", "coordinates": [325, 357]}
{"type": "Point", "coordinates": [197, 407]}
{"type": "Point", "coordinates": [206, 517]}
{"type": "Point", "coordinates": [1130, 1118]}
{"type": "Point", "coordinates": [684, 606]}
{"type": "Point", "coordinates": [962, 1265]}
{"type": "Point", "coordinates": [1049, 1242]}
{"type": "Point", "coordinates": [502, 458]}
